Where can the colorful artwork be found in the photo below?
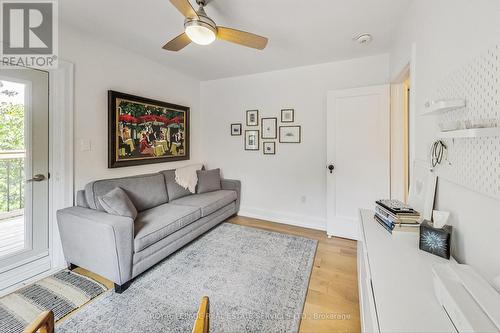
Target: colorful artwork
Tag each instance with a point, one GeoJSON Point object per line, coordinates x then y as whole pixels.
{"type": "Point", "coordinates": [144, 131]}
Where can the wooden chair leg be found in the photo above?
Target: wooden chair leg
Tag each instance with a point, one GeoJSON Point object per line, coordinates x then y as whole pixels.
{"type": "Point", "coordinates": [44, 322]}
{"type": "Point", "coordinates": [201, 325]}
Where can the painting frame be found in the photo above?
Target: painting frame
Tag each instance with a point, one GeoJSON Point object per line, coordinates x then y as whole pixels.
{"type": "Point", "coordinates": [274, 134]}
{"type": "Point", "coordinates": [114, 123]}
{"type": "Point", "coordinates": [282, 128]}
{"type": "Point", "coordinates": [256, 137]}
{"type": "Point", "coordinates": [249, 120]}
{"type": "Point", "coordinates": [269, 143]}
{"type": "Point", "coordinates": [233, 127]}
{"type": "Point", "coordinates": [287, 119]}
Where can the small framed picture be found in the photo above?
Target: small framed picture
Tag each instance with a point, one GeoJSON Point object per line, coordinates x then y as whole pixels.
{"type": "Point", "coordinates": [269, 128]}
{"type": "Point", "coordinates": [290, 134]}
{"type": "Point", "coordinates": [287, 115]}
{"type": "Point", "coordinates": [269, 148]}
{"type": "Point", "coordinates": [252, 140]}
{"type": "Point", "coordinates": [252, 117]}
{"type": "Point", "coordinates": [235, 129]}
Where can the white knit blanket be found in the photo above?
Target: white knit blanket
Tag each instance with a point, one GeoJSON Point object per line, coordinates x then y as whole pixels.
{"type": "Point", "coordinates": [186, 176]}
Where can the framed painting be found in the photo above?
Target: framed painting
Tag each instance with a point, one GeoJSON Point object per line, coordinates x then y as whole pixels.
{"type": "Point", "coordinates": [269, 148]}
{"type": "Point", "coordinates": [287, 115]}
{"type": "Point", "coordinates": [252, 140]}
{"type": "Point", "coordinates": [290, 134]}
{"type": "Point", "coordinates": [235, 129]}
{"type": "Point", "coordinates": [269, 128]}
{"type": "Point", "coordinates": [252, 117]}
{"type": "Point", "coordinates": [145, 131]}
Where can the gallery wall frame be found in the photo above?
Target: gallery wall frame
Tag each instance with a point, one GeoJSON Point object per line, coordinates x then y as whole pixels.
{"type": "Point", "coordinates": [252, 140]}
{"type": "Point", "coordinates": [252, 117]}
{"type": "Point", "coordinates": [269, 128]}
{"type": "Point", "coordinates": [290, 134]}
{"type": "Point", "coordinates": [287, 115]}
{"type": "Point", "coordinates": [236, 129]}
{"type": "Point", "coordinates": [269, 148]}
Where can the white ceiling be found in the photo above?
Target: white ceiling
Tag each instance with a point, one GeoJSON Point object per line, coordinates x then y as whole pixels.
{"type": "Point", "coordinates": [300, 32]}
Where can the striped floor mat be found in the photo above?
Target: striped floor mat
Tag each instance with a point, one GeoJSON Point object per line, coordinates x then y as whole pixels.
{"type": "Point", "coordinates": [62, 293]}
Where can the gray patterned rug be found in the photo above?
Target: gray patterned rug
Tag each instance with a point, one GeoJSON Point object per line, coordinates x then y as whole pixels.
{"type": "Point", "coordinates": [256, 281]}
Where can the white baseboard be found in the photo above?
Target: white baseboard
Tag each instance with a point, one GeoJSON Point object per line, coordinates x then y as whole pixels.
{"type": "Point", "coordinates": [297, 220]}
{"type": "Point", "coordinates": [345, 228]}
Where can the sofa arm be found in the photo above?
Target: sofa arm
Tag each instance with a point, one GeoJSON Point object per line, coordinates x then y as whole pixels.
{"type": "Point", "coordinates": [234, 185]}
{"type": "Point", "coordinates": [98, 241]}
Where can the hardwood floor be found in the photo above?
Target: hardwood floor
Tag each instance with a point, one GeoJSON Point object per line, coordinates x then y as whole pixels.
{"type": "Point", "coordinates": [332, 298]}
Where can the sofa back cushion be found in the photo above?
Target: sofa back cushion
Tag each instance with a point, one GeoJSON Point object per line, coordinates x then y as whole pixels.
{"type": "Point", "coordinates": [145, 191]}
{"type": "Point", "coordinates": [174, 190]}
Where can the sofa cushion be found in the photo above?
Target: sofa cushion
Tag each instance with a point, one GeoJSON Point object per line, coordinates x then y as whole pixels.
{"type": "Point", "coordinates": [154, 224]}
{"type": "Point", "coordinates": [145, 191]}
{"type": "Point", "coordinates": [175, 191]}
{"type": "Point", "coordinates": [208, 180]}
{"type": "Point", "coordinates": [117, 202]}
{"type": "Point", "coordinates": [208, 202]}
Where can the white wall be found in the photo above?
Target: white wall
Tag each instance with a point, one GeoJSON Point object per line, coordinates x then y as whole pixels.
{"type": "Point", "coordinates": [448, 34]}
{"type": "Point", "coordinates": [100, 67]}
{"type": "Point", "coordinates": [290, 186]}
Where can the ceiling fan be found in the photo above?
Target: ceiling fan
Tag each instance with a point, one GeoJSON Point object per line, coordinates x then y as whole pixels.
{"type": "Point", "coordinates": [202, 30]}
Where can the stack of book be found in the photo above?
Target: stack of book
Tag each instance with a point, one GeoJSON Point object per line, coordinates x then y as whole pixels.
{"type": "Point", "coordinates": [394, 215]}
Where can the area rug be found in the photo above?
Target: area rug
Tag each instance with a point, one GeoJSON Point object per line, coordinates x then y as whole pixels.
{"type": "Point", "coordinates": [62, 293]}
{"type": "Point", "coordinates": [256, 281]}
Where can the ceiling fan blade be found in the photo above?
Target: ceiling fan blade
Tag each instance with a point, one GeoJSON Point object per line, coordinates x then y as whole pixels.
{"type": "Point", "coordinates": [178, 43]}
{"type": "Point", "coordinates": [185, 8]}
{"type": "Point", "coordinates": [241, 37]}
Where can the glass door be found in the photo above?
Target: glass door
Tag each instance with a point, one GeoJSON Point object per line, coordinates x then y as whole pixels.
{"type": "Point", "coordinates": [24, 156]}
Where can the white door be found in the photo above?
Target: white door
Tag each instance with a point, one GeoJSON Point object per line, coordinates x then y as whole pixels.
{"type": "Point", "coordinates": [24, 188]}
{"type": "Point", "coordinates": [358, 150]}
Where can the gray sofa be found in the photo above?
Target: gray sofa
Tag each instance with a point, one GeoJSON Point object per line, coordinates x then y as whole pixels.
{"type": "Point", "coordinates": [119, 248]}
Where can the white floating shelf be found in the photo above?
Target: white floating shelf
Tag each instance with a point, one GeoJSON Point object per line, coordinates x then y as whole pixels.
{"type": "Point", "coordinates": [442, 106]}
{"type": "Point", "coordinates": [470, 133]}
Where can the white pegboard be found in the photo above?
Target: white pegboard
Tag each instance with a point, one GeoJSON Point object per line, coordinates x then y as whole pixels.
{"type": "Point", "coordinates": [474, 162]}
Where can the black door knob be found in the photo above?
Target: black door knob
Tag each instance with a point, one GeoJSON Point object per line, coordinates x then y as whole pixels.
{"type": "Point", "coordinates": [331, 167]}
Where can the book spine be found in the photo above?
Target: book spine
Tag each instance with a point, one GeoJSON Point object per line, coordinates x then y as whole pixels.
{"type": "Point", "coordinates": [385, 221]}
{"type": "Point", "coordinates": [383, 212]}
{"type": "Point", "coordinates": [383, 224]}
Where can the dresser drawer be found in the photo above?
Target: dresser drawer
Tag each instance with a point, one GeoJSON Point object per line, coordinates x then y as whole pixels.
{"type": "Point", "coordinates": [368, 313]}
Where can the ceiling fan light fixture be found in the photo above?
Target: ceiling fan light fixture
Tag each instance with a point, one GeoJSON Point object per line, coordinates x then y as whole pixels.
{"type": "Point", "coordinates": [200, 32]}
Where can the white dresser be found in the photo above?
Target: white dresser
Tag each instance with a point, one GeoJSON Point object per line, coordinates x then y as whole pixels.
{"type": "Point", "coordinates": [395, 282]}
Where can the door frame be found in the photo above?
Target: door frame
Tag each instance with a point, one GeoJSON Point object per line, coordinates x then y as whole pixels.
{"type": "Point", "coordinates": [61, 103]}
{"type": "Point", "coordinates": [410, 65]}
{"type": "Point", "coordinates": [400, 129]}
{"type": "Point", "coordinates": [346, 227]}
